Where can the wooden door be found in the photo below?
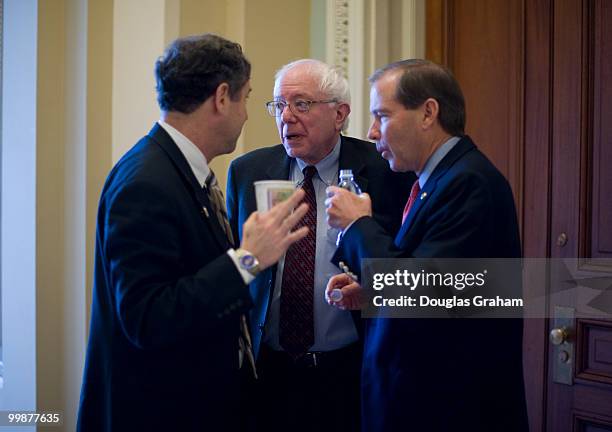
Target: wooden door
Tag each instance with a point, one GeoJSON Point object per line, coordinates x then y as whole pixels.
{"type": "Point", "coordinates": [537, 76]}
{"type": "Point", "coordinates": [581, 208]}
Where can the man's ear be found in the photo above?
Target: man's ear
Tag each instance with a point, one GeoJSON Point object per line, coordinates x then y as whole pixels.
{"type": "Point", "coordinates": [431, 110]}
{"type": "Point", "coordinates": [222, 98]}
{"type": "Point", "coordinates": [342, 112]}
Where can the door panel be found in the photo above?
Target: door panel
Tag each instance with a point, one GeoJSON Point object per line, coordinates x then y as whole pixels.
{"type": "Point", "coordinates": [537, 76]}
{"type": "Point", "coordinates": [581, 199]}
{"type": "Point", "coordinates": [601, 222]}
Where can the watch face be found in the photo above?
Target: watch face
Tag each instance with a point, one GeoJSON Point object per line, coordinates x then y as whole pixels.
{"type": "Point", "coordinates": [247, 261]}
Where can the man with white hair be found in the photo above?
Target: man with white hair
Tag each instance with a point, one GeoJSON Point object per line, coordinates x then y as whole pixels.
{"type": "Point", "coordinates": [308, 352]}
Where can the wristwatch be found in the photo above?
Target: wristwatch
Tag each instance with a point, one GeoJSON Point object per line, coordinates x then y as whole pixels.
{"type": "Point", "coordinates": [247, 261]}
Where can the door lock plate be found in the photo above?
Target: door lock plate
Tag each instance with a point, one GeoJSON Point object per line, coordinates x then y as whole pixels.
{"type": "Point", "coordinates": [563, 348]}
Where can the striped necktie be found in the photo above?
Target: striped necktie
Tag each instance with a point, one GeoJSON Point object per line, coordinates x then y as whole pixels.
{"type": "Point", "coordinates": [245, 347]}
{"type": "Point", "coordinates": [218, 204]}
{"type": "Point", "coordinates": [296, 326]}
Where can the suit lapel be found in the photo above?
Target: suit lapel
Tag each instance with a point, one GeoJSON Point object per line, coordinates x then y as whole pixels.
{"type": "Point", "coordinates": [352, 160]}
{"type": "Point", "coordinates": [461, 148]}
{"type": "Point", "coordinates": [161, 137]}
{"type": "Point", "coordinates": [279, 165]}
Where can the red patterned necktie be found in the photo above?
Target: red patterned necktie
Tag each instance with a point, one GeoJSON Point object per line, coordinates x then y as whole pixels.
{"type": "Point", "coordinates": [414, 193]}
{"type": "Point", "coordinates": [296, 327]}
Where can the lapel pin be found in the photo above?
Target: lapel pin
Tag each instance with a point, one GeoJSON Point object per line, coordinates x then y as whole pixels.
{"type": "Point", "coordinates": [424, 195]}
{"type": "Point", "coordinates": [205, 211]}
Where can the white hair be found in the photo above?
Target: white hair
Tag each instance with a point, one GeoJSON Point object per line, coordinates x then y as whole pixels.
{"type": "Point", "coordinates": [331, 81]}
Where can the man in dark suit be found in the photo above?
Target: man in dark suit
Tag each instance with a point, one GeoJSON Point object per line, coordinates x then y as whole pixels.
{"type": "Point", "coordinates": [433, 375]}
{"type": "Point", "coordinates": [170, 289]}
{"type": "Point", "coordinates": [312, 384]}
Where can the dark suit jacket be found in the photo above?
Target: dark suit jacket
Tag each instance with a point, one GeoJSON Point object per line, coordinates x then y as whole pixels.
{"type": "Point", "coordinates": [445, 374]}
{"type": "Point", "coordinates": [162, 351]}
{"type": "Point", "coordinates": [389, 192]}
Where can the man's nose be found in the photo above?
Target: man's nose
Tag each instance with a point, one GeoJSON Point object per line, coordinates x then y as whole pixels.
{"type": "Point", "coordinates": [373, 133]}
{"type": "Point", "coordinates": [287, 115]}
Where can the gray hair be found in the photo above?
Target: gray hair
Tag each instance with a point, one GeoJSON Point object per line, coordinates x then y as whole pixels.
{"type": "Point", "coordinates": [331, 81]}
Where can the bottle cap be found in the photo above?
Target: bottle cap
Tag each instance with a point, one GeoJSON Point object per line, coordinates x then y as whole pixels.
{"type": "Point", "coordinates": [335, 295]}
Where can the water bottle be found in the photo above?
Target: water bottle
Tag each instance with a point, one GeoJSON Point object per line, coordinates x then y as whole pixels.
{"type": "Point", "coordinates": [345, 181]}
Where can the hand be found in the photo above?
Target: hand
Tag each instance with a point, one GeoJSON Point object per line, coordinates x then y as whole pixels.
{"type": "Point", "coordinates": [268, 235]}
{"type": "Point", "coordinates": [351, 292]}
{"type": "Point", "coordinates": [344, 207]}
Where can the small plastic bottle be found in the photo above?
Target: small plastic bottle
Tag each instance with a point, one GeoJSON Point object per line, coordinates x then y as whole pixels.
{"type": "Point", "coordinates": [347, 181]}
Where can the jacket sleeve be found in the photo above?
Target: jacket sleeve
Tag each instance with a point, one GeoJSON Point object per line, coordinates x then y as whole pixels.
{"type": "Point", "coordinates": [457, 222]}
{"type": "Point", "coordinates": [158, 301]}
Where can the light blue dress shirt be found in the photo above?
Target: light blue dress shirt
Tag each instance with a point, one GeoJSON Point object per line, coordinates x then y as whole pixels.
{"type": "Point", "coordinates": [435, 159]}
{"type": "Point", "coordinates": [333, 328]}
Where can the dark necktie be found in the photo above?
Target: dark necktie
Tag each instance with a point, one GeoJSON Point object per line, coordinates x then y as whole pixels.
{"type": "Point", "coordinates": [217, 202]}
{"type": "Point", "coordinates": [414, 193]}
{"type": "Point", "coordinates": [296, 327]}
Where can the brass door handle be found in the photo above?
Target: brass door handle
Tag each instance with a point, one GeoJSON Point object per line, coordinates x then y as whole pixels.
{"type": "Point", "coordinates": [559, 336]}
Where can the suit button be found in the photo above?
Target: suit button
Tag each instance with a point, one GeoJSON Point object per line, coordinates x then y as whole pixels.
{"type": "Point", "coordinates": [261, 327]}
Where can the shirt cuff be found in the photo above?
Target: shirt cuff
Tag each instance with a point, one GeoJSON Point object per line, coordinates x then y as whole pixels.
{"type": "Point", "coordinates": [246, 276]}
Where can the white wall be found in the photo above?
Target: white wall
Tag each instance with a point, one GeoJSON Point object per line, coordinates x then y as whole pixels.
{"type": "Point", "coordinates": [19, 205]}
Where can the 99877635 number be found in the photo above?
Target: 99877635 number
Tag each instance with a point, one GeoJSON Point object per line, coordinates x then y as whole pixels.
{"type": "Point", "coordinates": [30, 418]}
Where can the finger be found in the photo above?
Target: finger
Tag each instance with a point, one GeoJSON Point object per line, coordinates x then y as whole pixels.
{"type": "Point", "coordinates": [351, 289]}
{"type": "Point", "coordinates": [296, 235]}
{"type": "Point", "coordinates": [252, 217]}
{"type": "Point", "coordinates": [332, 190]}
{"type": "Point", "coordinates": [338, 281]}
{"type": "Point", "coordinates": [281, 210]}
{"type": "Point", "coordinates": [365, 196]}
{"type": "Point", "coordinates": [292, 219]}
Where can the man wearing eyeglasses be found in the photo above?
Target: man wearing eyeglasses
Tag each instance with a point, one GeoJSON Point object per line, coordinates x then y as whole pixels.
{"type": "Point", "coordinates": [309, 353]}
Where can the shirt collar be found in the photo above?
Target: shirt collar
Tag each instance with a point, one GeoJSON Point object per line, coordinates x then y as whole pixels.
{"type": "Point", "coordinates": [195, 157]}
{"type": "Point", "coordinates": [435, 159]}
{"type": "Point", "coordinates": [327, 168]}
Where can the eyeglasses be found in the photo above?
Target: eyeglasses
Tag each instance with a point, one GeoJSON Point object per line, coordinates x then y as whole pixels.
{"type": "Point", "coordinates": [300, 106]}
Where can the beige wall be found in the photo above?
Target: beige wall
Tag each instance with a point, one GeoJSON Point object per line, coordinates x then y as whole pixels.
{"type": "Point", "coordinates": [50, 245]}
{"type": "Point", "coordinates": [138, 42]}
{"type": "Point", "coordinates": [73, 157]}
{"type": "Point", "coordinates": [271, 36]}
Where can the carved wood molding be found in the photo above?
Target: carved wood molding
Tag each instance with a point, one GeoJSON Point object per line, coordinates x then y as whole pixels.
{"type": "Point", "coordinates": [585, 422]}
{"type": "Point", "coordinates": [588, 366]}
